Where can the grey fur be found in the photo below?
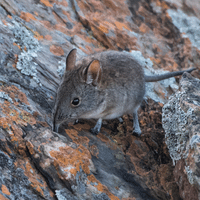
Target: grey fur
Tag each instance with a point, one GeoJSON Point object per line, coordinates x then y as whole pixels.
{"type": "Point", "coordinates": [108, 84]}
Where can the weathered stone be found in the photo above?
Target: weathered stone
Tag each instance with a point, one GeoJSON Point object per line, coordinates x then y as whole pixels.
{"type": "Point", "coordinates": [181, 117]}
{"type": "Point", "coordinates": [35, 163]}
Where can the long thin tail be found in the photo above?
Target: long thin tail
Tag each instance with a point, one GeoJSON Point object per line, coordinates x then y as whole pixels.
{"type": "Point", "coordinates": [167, 75]}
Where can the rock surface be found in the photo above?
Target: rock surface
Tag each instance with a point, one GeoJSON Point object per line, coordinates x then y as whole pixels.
{"type": "Point", "coordinates": [36, 163]}
{"type": "Point", "coordinates": [181, 117]}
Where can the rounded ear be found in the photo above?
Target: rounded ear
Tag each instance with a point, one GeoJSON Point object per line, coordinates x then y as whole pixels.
{"type": "Point", "coordinates": [93, 73]}
{"type": "Point", "coordinates": [70, 60]}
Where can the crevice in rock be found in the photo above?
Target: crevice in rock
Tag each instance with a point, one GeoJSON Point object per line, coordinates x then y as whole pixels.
{"type": "Point", "coordinates": [87, 25]}
{"type": "Point", "coordinates": [5, 9]}
{"type": "Point", "coordinates": [49, 179]}
{"type": "Point", "coordinates": [57, 14]}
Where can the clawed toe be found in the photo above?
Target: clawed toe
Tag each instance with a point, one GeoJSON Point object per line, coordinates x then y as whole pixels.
{"type": "Point", "coordinates": [94, 131]}
{"type": "Point", "coordinates": [137, 132]}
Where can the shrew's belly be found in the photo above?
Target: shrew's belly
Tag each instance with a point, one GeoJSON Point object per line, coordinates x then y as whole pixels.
{"type": "Point", "coordinates": [115, 112]}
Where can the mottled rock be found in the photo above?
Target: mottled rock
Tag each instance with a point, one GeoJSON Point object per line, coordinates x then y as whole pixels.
{"type": "Point", "coordinates": [35, 163]}
{"type": "Point", "coordinates": [181, 116]}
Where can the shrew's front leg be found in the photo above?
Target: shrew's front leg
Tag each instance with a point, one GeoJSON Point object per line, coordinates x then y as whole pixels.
{"type": "Point", "coordinates": [97, 127]}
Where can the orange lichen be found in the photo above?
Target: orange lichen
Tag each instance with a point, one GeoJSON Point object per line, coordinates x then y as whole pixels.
{"type": "Point", "coordinates": [46, 24]}
{"type": "Point", "coordinates": [80, 127]}
{"type": "Point", "coordinates": [7, 149]}
{"type": "Point", "coordinates": [73, 134]}
{"type": "Point", "coordinates": [106, 140]}
{"type": "Point", "coordinates": [83, 49]}
{"type": "Point", "coordinates": [155, 60]}
{"type": "Point", "coordinates": [30, 147]}
{"type": "Point", "coordinates": [155, 46]}
{"type": "Point", "coordinates": [13, 115]}
{"type": "Point", "coordinates": [102, 188]}
{"type": "Point", "coordinates": [63, 3]}
{"type": "Point", "coordinates": [80, 157]}
{"type": "Point", "coordinates": [13, 92]}
{"type": "Point", "coordinates": [36, 181]}
{"type": "Point", "coordinates": [4, 22]}
{"type": "Point", "coordinates": [27, 16]}
{"type": "Point", "coordinates": [158, 3]}
{"type": "Point", "coordinates": [38, 188]}
{"type": "Point", "coordinates": [94, 150]}
{"type": "Point", "coordinates": [22, 97]}
{"type": "Point", "coordinates": [110, 25]}
{"type": "Point", "coordinates": [91, 178]}
{"type": "Point", "coordinates": [47, 37]}
{"type": "Point", "coordinates": [60, 27]}
{"type": "Point", "coordinates": [38, 36]}
{"type": "Point", "coordinates": [167, 15]}
{"type": "Point", "coordinates": [2, 197]}
{"type": "Point", "coordinates": [110, 4]}
{"type": "Point", "coordinates": [36, 13]}
{"type": "Point", "coordinates": [17, 45]}
{"type": "Point", "coordinates": [44, 124]}
{"type": "Point", "coordinates": [74, 158]}
{"type": "Point", "coordinates": [117, 188]}
{"type": "Point", "coordinates": [36, 184]}
{"type": "Point", "coordinates": [89, 49]}
{"type": "Point", "coordinates": [143, 122]}
{"type": "Point", "coordinates": [9, 16]}
{"type": "Point", "coordinates": [164, 5]}
{"type": "Point", "coordinates": [120, 26]}
{"type": "Point", "coordinates": [144, 28]}
{"type": "Point", "coordinates": [175, 65]}
{"type": "Point", "coordinates": [5, 190]}
{"type": "Point", "coordinates": [46, 3]}
{"type": "Point", "coordinates": [103, 137]}
{"type": "Point", "coordinates": [103, 28]}
{"type": "Point", "coordinates": [56, 50]}
{"type": "Point", "coordinates": [73, 171]}
{"type": "Point", "coordinates": [59, 20]}
{"type": "Point", "coordinates": [4, 123]}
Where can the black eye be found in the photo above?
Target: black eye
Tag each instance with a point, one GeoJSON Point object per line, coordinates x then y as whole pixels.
{"type": "Point", "coordinates": [75, 101]}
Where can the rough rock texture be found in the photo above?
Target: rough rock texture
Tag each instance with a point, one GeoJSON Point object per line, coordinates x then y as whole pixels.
{"type": "Point", "coordinates": [181, 116]}
{"type": "Point", "coordinates": [35, 163]}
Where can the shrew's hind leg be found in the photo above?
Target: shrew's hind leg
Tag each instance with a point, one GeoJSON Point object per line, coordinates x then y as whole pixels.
{"type": "Point", "coordinates": [120, 120]}
{"type": "Point", "coordinates": [136, 126]}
